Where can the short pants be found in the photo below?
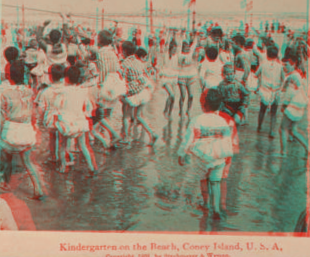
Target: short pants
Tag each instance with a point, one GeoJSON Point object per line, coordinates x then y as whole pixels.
{"type": "Point", "coordinates": [186, 81]}
{"type": "Point", "coordinates": [215, 173]}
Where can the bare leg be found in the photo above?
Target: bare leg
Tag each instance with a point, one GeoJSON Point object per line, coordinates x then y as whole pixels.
{"type": "Point", "coordinates": [284, 132]}
{"type": "Point", "coordinates": [216, 195]}
{"type": "Point", "coordinates": [223, 194]}
{"type": "Point", "coordinates": [171, 97]}
{"type": "Point", "coordinates": [146, 126]}
{"type": "Point", "coordinates": [167, 101]}
{"type": "Point", "coordinates": [52, 144]}
{"type": "Point", "coordinates": [108, 127]}
{"type": "Point", "coordinates": [98, 135]}
{"type": "Point", "coordinates": [205, 191]}
{"type": "Point", "coordinates": [126, 115]}
{"type": "Point", "coordinates": [182, 98]}
{"type": "Point", "coordinates": [170, 100]}
{"type": "Point", "coordinates": [273, 119]}
{"type": "Point", "coordinates": [33, 173]}
{"type": "Point", "coordinates": [261, 116]}
{"type": "Point", "coordinates": [88, 153]}
{"type": "Point", "coordinates": [300, 138]}
{"type": "Point", "coordinates": [5, 169]}
{"type": "Point", "coordinates": [190, 98]}
{"type": "Point", "coordinates": [63, 153]}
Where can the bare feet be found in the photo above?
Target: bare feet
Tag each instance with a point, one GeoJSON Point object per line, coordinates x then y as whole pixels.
{"type": "Point", "coordinates": [166, 115]}
{"type": "Point", "coordinates": [63, 168]}
{"type": "Point", "coordinates": [272, 135]}
{"type": "Point", "coordinates": [153, 140]}
{"type": "Point", "coordinates": [38, 197]}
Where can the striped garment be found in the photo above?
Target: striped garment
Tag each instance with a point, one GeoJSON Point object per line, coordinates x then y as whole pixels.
{"type": "Point", "coordinates": [211, 137]}
{"type": "Point", "coordinates": [135, 74]}
{"type": "Point", "coordinates": [107, 62]}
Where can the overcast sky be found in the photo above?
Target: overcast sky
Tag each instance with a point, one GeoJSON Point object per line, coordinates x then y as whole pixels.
{"type": "Point", "coordinates": [123, 6]}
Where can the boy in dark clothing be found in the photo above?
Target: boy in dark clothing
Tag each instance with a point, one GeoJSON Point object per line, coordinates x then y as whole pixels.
{"type": "Point", "coordinates": [234, 95]}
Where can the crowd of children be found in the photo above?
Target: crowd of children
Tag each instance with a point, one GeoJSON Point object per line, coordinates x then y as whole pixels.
{"type": "Point", "coordinates": [69, 82]}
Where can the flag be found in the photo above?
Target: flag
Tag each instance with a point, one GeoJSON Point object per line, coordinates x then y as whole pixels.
{"type": "Point", "coordinates": [243, 4]}
{"type": "Point", "coordinates": [189, 2]}
{"type": "Point", "coordinates": [249, 6]}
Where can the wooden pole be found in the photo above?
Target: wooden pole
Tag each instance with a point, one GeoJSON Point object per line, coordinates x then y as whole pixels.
{"type": "Point", "coordinates": [188, 18]}
{"type": "Point", "coordinates": [151, 16]}
{"type": "Point", "coordinates": [246, 7]}
{"type": "Point", "coordinates": [23, 28]}
{"type": "Point", "coordinates": [17, 16]}
{"type": "Point", "coordinates": [146, 15]}
{"type": "Point", "coordinates": [194, 15]}
{"type": "Point", "coordinates": [102, 19]}
{"type": "Point", "coordinates": [97, 19]}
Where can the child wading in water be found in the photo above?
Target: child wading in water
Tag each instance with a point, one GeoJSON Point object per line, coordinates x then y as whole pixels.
{"type": "Point", "coordinates": [46, 103]}
{"type": "Point", "coordinates": [139, 92]}
{"type": "Point", "coordinates": [234, 94]}
{"type": "Point", "coordinates": [242, 67]}
{"type": "Point", "coordinates": [208, 137]}
{"type": "Point", "coordinates": [18, 135]}
{"type": "Point", "coordinates": [170, 74]}
{"type": "Point", "coordinates": [294, 104]}
{"type": "Point", "coordinates": [188, 74]}
{"type": "Point", "coordinates": [71, 120]}
{"type": "Point", "coordinates": [271, 77]}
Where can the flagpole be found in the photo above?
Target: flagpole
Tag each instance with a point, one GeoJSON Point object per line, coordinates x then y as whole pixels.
{"type": "Point", "coordinates": [151, 16]}
{"type": "Point", "coordinates": [146, 16]}
{"type": "Point", "coordinates": [97, 18]}
{"type": "Point", "coordinates": [246, 7]}
{"type": "Point", "coordinates": [102, 19]}
{"type": "Point", "coordinates": [194, 15]}
{"type": "Point", "coordinates": [188, 17]}
{"type": "Point", "coordinates": [23, 27]}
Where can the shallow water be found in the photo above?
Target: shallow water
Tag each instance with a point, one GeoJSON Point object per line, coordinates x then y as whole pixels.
{"type": "Point", "coordinates": [138, 187]}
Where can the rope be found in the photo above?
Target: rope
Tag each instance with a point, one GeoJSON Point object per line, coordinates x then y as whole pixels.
{"type": "Point", "coordinates": [28, 8]}
{"type": "Point", "coordinates": [85, 16]}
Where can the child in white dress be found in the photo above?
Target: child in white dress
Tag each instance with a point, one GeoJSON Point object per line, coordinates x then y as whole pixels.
{"type": "Point", "coordinates": [73, 107]}
{"type": "Point", "coordinates": [211, 69]}
{"type": "Point", "coordinates": [271, 77]}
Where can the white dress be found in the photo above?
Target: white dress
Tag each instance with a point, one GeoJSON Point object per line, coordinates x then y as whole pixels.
{"type": "Point", "coordinates": [211, 73]}
{"type": "Point", "coordinates": [72, 121]}
{"type": "Point", "coordinates": [270, 81]}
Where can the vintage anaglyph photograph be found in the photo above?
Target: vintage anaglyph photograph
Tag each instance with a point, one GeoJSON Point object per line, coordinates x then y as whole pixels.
{"type": "Point", "coordinates": [154, 116]}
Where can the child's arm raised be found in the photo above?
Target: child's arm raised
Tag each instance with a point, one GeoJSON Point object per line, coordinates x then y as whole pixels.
{"type": "Point", "coordinates": [247, 68]}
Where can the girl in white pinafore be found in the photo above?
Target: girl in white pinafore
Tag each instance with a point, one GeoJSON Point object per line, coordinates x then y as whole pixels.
{"type": "Point", "coordinates": [73, 107]}
{"type": "Point", "coordinates": [271, 77]}
{"type": "Point", "coordinates": [169, 73]}
{"type": "Point", "coordinates": [18, 134]}
{"type": "Point", "coordinates": [211, 69]}
{"type": "Point", "coordinates": [210, 137]}
{"type": "Point", "coordinates": [188, 73]}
